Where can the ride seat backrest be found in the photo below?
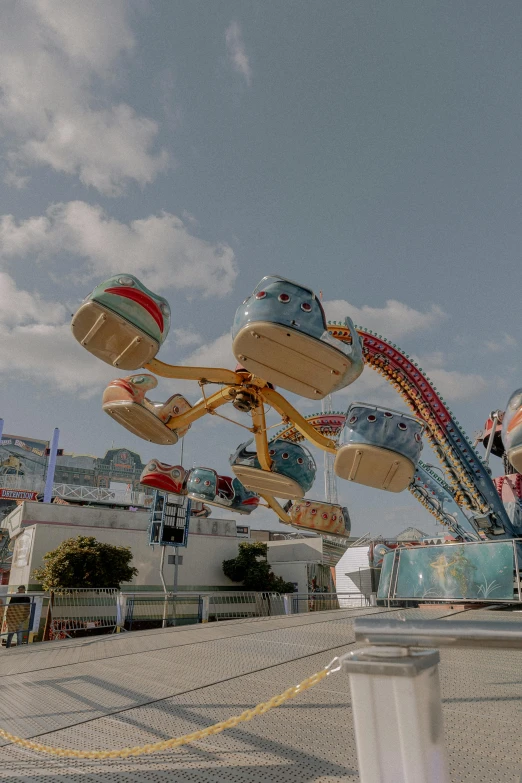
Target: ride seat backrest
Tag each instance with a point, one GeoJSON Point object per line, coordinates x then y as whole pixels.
{"type": "Point", "coordinates": [225, 488]}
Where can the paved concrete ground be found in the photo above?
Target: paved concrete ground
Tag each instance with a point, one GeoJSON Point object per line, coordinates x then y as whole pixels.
{"type": "Point", "coordinates": [116, 691]}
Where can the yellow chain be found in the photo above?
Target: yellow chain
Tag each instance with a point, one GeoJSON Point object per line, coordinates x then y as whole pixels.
{"type": "Point", "coordinates": [174, 742]}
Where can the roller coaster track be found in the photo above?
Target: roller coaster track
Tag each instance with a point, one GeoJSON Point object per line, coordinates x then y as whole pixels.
{"type": "Point", "coordinates": [470, 482]}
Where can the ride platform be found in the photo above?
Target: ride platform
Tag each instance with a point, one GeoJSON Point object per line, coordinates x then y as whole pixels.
{"type": "Point", "coordinates": [133, 688]}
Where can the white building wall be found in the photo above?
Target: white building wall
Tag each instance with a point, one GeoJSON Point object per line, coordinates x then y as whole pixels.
{"type": "Point", "coordinates": [308, 549]}
{"type": "Point", "coordinates": [202, 558]}
{"type": "Point", "coordinates": [39, 528]}
{"type": "Point", "coordinates": [354, 558]}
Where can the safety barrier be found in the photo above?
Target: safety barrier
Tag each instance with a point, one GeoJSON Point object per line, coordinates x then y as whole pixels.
{"type": "Point", "coordinates": [239, 605]}
{"type": "Point", "coordinates": [78, 491]}
{"type": "Point", "coordinates": [151, 609]}
{"type": "Point", "coordinates": [73, 611]}
{"type": "Point", "coordinates": [81, 609]}
{"type": "Point", "coordinates": [321, 602]}
{"type": "Point", "coordinates": [21, 621]}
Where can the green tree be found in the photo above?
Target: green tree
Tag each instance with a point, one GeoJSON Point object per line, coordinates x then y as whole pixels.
{"type": "Point", "coordinates": [252, 569]}
{"type": "Point", "coordinates": [85, 562]}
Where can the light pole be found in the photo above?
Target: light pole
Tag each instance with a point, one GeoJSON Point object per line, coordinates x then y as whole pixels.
{"type": "Point", "coordinates": [48, 492]}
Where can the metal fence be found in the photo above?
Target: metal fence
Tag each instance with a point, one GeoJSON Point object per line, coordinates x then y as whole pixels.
{"type": "Point", "coordinates": [82, 609]}
{"type": "Point", "coordinates": [85, 611]}
{"type": "Point", "coordinates": [19, 624]}
{"type": "Point", "coordinates": [139, 611]}
{"type": "Point", "coordinates": [79, 491]}
{"type": "Point", "coordinates": [237, 605]}
{"type": "Point", "coordinates": [321, 602]}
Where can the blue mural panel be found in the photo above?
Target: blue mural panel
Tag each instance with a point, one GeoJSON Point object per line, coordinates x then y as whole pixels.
{"type": "Point", "coordinates": [479, 572]}
{"type": "Point", "coordinates": [385, 578]}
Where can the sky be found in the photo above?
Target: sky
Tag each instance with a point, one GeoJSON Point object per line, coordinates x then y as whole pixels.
{"type": "Point", "coordinates": [371, 151]}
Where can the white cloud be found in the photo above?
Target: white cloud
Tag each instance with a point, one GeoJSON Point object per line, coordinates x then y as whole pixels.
{"type": "Point", "coordinates": [189, 218]}
{"type": "Point", "coordinates": [217, 353]}
{"type": "Point", "coordinates": [21, 307]}
{"type": "Point", "coordinates": [158, 249]}
{"type": "Point", "coordinates": [237, 53]}
{"type": "Point", "coordinates": [36, 344]}
{"type": "Point", "coordinates": [504, 343]}
{"type": "Point", "coordinates": [393, 321]}
{"type": "Point", "coordinates": [454, 385]}
{"type": "Point", "coordinates": [92, 32]}
{"type": "Point", "coordinates": [58, 61]}
{"type": "Point", "coordinates": [370, 387]}
{"type": "Point", "coordinates": [48, 354]}
{"type": "Point", "coordinates": [184, 338]}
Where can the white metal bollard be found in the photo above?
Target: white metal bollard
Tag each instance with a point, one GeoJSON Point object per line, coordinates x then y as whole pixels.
{"type": "Point", "coordinates": [397, 715]}
{"type": "Point", "coordinates": [121, 612]}
{"type": "Point", "coordinates": [205, 608]}
{"type": "Point", "coordinates": [287, 601]}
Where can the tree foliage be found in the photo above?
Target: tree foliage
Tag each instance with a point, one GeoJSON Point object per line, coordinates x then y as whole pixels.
{"type": "Point", "coordinates": [85, 562]}
{"type": "Point", "coordinates": [252, 569]}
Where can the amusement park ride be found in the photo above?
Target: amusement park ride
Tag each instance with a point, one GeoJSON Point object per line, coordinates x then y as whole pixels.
{"type": "Point", "coordinates": [280, 338]}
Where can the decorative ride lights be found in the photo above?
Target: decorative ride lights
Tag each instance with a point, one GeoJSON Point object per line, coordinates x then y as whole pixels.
{"type": "Point", "coordinates": [281, 337]}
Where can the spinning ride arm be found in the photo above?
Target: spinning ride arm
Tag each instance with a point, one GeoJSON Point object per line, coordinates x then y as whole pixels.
{"type": "Point", "coordinates": [207, 405]}
{"type": "Point", "coordinates": [202, 374]}
{"type": "Point", "coordinates": [300, 423]}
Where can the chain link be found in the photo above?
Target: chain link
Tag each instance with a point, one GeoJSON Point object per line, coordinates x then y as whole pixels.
{"type": "Point", "coordinates": [177, 742]}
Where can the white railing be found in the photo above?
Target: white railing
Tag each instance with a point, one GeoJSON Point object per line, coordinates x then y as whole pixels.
{"type": "Point", "coordinates": [81, 609]}
{"type": "Point", "coordinates": [101, 495]}
{"type": "Point", "coordinates": [29, 483]}
{"type": "Point", "coordinates": [77, 491]}
{"type": "Point", "coordinates": [243, 605]}
{"type": "Point", "coordinates": [325, 602]}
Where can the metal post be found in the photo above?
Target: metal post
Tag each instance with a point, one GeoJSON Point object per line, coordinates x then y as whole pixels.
{"type": "Point", "coordinates": [164, 621]}
{"type": "Point", "coordinates": [287, 601]}
{"type": "Point", "coordinates": [49, 618]}
{"type": "Point", "coordinates": [51, 465]}
{"type": "Point", "coordinates": [494, 420]}
{"type": "Point", "coordinates": [175, 587]}
{"type": "Point", "coordinates": [176, 566]}
{"type": "Point", "coordinates": [121, 612]}
{"type": "Point", "coordinates": [397, 715]}
{"type": "Point", "coordinates": [205, 608]}
{"type": "Point", "coordinates": [517, 572]}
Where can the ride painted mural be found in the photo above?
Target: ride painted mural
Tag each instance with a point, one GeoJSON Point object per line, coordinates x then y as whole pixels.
{"type": "Point", "coordinates": [448, 572]}
{"type": "Point", "coordinates": [283, 343]}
